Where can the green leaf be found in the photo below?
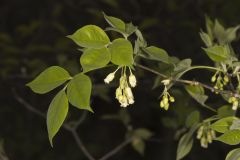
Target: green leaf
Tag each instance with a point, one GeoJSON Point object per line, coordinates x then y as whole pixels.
{"type": "Point", "coordinates": [139, 145]}
{"type": "Point", "coordinates": [233, 154]}
{"type": "Point", "coordinates": [182, 65]}
{"type": "Point", "coordinates": [56, 114]}
{"type": "Point", "coordinates": [206, 39]}
{"type": "Point", "coordinates": [231, 137]}
{"type": "Point", "coordinates": [95, 58]}
{"type": "Point", "coordinates": [122, 52]}
{"type": "Point", "coordinates": [130, 28]}
{"type": "Point", "coordinates": [184, 146]}
{"type": "Point", "coordinates": [186, 142]}
{"type": "Point", "coordinates": [49, 79]}
{"type": "Point", "coordinates": [115, 22]}
{"type": "Point", "coordinates": [223, 124]}
{"type": "Point", "coordinates": [225, 111]}
{"type": "Point", "coordinates": [155, 53]}
{"type": "Point", "coordinates": [231, 33]}
{"type": "Point", "coordinates": [193, 118]}
{"type": "Point", "coordinates": [79, 91]}
{"type": "Point", "coordinates": [197, 92]}
{"type": "Point", "coordinates": [90, 36]}
{"type": "Point", "coordinates": [217, 53]}
{"type": "Point", "coordinates": [142, 133]}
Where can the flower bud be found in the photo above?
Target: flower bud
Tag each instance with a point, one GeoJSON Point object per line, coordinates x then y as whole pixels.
{"type": "Point", "coordinates": [172, 99]}
{"type": "Point", "coordinates": [132, 80]}
{"type": "Point", "coordinates": [109, 77]}
{"type": "Point", "coordinates": [226, 79]}
{"type": "Point", "coordinates": [213, 79]}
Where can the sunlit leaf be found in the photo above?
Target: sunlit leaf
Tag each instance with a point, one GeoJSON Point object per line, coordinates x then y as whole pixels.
{"type": "Point", "coordinates": [90, 36]}
{"type": "Point", "coordinates": [122, 52]}
{"type": "Point", "coordinates": [231, 137]}
{"type": "Point", "coordinates": [95, 58]}
{"type": "Point", "coordinates": [49, 79]}
{"type": "Point", "coordinates": [233, 154]}
{"type": "Point", "coordinates": [79, 91]}
{"type": "Point", "coordinates": [223, 124]}
{"type": "Point", "coordinates": [56, 114]}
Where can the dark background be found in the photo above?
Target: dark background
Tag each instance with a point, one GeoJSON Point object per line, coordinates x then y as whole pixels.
{"type": "Point", "coordinates": [32, 37]}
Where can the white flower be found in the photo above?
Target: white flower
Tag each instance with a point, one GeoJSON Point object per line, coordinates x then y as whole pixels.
{"type": "Point", "coordinates": [123, 101]}
{"type": "Point", "coordinates": [109, 77]}
{"type": "Point", "coordinates": [118, 92]}
{"type": "Point", "coordinates": [123, 82]}
{"type": "Point", "coordinates": [132, 80]}
{"type": "Point", "coordinates": [128, 92]}
{"type": "Point", "coordinates": [130, 100]}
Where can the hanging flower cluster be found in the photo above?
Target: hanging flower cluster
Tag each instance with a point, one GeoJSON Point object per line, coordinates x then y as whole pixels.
{"type": "Point", "coordinates": [219, 80]}
{"type": "Point", "coordinates": [166, 97]}
{"type": "Point", "coordinates": [123, 93]}
{"type": "Point", "coordinates": [206, 135]}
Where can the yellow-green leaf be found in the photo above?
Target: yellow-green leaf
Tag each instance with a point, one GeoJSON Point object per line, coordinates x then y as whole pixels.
{"type": "Point", "coordinates": [49, 79]}
{"type": "Point", "coordinates": [79, 91]}
{"type": "Point", "coordinates": [95, 58]}
{"type": "Point", "coordinates": [122, 52]}
{"type": "Point", "coordinates": [56, 114]}
{"type": "Point", "coordinates": [90, 36]}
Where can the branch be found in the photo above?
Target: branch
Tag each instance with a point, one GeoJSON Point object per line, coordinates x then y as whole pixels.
{"type": "Point", "coordinates": [116, 150]}
{"type": "Point", "coordinates": [65, 126]}
{"type": "Point", "coordinates": [190, 82]}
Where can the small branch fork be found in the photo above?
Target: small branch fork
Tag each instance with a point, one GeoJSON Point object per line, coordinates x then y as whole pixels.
{"type": "Point", "coordinates": [73, 130]}
{"type": "Point", "coordinates": [189, 82]}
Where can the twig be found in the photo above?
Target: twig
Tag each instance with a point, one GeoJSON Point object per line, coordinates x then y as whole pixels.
{"type": "Point", "coordinates": [65, 126]}
{"type": "Point", "coordinates": [81, 145]}
{"type": "Point", "coordinates": [116, 150]}
{"type": "Point", "coordinates": [190, 82]}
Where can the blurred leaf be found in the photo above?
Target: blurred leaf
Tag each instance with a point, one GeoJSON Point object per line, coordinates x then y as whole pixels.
{"type": "Point", "coordinates": [79, 91]}
{"type": "Point", "coordinates": [155, 53]}
{"type": "Point", "coordinates": [225, 111]}
{"type": "Point", "coordinates": [233, 154]}
{"type": "Point", "coordinates": [142, 133]}
{"type": "Point", "coordinates": [185, 143]}
{"type": "Point", "coordinates": [90, 36]}
{"type": "Point", "coordinates": [130, 28]}
{"type": "Point", "coordinates": [217, 53]}
{"type": "Point", "coordinates": [95, 58]}
{"type": "Point", "coordinates": [193, 118]}
{"type": "Point", "coordinates": [56, 114]}
{"type": "Point", "coordinates": [182, 65]}
{"type": "Point", "coordinates": [49, 79]}
{"type": "Point", "coordinates": [206, 39]}
{"type": "Point", "coordinates": [122, 52]}
{"type": "Point", "coordinates": [197, 93]}
{"type": "Point", "coordinates": [115, 22]}
{"type": "Point", "coordinates": [139, 145]}
{"type": "Point", "coordinates": [231, 34]}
